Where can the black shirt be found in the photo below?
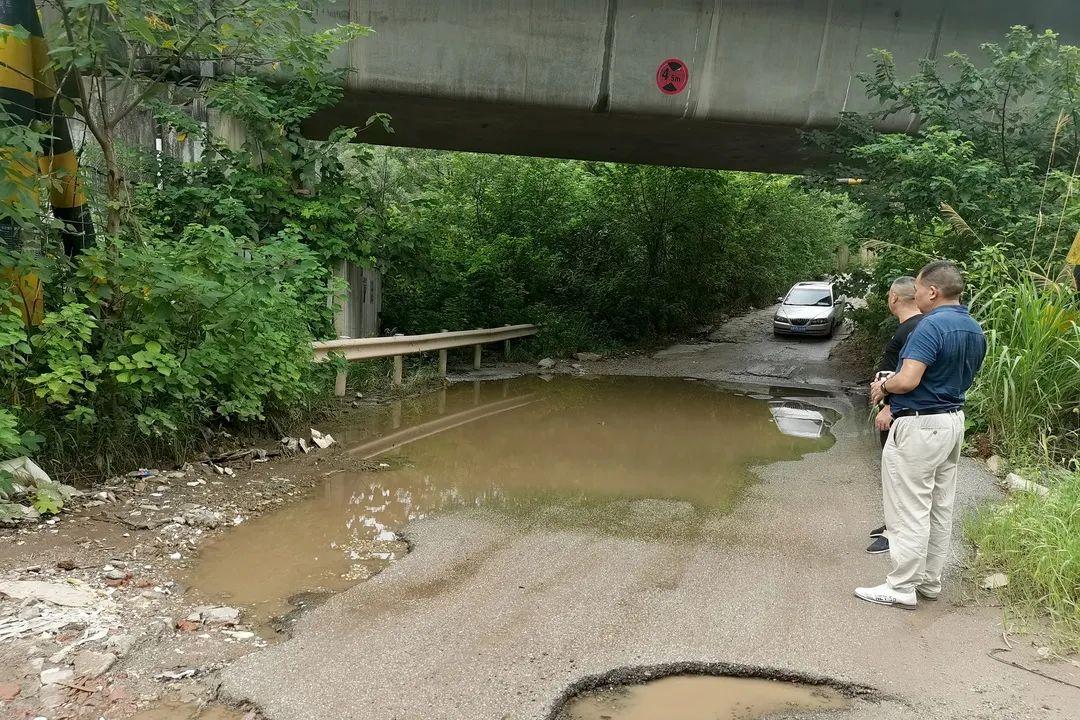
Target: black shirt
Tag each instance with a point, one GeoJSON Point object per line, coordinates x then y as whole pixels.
{"type": "Point", "coordinates": [890, 357]}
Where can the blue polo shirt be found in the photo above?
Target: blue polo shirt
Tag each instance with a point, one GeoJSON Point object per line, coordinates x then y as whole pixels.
{"type": "Point", "coordinates": [952, 345]}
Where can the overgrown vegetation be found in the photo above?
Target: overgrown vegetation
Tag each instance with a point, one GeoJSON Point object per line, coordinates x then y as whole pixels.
{"type": "Point", "coordinates": [1036, 541]}
{"type": "Point", "coordinates": [198, 303]}
{"type": "Point", "coordinates": [600, 255]}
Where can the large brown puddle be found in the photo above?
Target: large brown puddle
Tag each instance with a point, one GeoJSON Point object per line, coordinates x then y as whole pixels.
{"type": "Point", "coordinates": [695, 697]}
{"type": "Point", "coordinates": [596, 453]}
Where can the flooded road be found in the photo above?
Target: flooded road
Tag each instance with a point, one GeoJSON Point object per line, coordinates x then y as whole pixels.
{"type": "Point", "coordinates": [693, 697]}
{"type": "Point", "coordinates": [588, 453]}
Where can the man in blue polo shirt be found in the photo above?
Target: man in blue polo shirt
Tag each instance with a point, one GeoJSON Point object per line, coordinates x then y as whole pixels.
{"type": "Point", "coordinates": [918, 465]}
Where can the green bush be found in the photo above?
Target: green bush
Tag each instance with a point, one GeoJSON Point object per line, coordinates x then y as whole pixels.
{"type": "Point", "coordinates": [599, 255]}
{"type": "Point", "coordinates": [1028, 392]}
{"type": "Point", "coordinates": [151, 342]}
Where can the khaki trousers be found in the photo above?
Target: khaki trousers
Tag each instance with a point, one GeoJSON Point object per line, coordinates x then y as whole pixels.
{"type": "Point", "coordinates": [918, 486]}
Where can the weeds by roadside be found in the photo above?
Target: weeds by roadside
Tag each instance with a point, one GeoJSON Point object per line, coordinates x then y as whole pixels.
{"type": "Point", "coordinates": [1035, 542]}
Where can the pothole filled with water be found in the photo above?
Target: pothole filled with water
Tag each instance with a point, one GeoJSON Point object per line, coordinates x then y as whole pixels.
{"type": "Point", "coordinates": [700, 697]}
{"type": "Point", "coordinates": [634, 456]}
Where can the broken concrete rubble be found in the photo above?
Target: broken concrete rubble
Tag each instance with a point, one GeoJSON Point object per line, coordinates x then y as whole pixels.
{"type": "Point", "coordinates": [71, 594]}
{"type": "Point", "coordinates": [90, 664]}
{"type": "Point", "coordinates": [58, 675]}
{"type": "Point", "coordinates": [1016, 483]}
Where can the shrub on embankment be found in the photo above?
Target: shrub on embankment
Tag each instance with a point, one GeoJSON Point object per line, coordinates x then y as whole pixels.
{"type": "Point", "coordinates": [148, 344]}
{"type": "Point", "coordinates": [1027, 396]}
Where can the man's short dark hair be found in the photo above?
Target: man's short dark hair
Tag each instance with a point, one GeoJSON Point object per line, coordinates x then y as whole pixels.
{"type": "Point", "coordinates": [904, 287]}
{"type": "Point", "coordinates": [945, 276]}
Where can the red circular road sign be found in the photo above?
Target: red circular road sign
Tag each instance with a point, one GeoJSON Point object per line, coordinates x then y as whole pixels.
{"type": "Point", "coordinates": [672, 76]}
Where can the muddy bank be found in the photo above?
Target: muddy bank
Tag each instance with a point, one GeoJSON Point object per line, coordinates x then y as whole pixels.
{"type": "Point", "coordinates": [98, 619]}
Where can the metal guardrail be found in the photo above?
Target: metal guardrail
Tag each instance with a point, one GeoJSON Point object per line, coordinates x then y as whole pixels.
{"type": "Point", "coordinates": [399, 345]}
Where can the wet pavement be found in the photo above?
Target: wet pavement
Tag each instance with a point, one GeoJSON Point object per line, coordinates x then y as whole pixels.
{"type": "Point", "coordinates": [589, 453]}
{"type": "Point", "coordinates": [701, 697]}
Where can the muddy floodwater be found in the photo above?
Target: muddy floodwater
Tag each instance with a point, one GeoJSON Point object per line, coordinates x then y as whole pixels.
{"type": "Point", "coordinates": [693, 697]}
{"type": "Point", "coordinates": [600, 454]}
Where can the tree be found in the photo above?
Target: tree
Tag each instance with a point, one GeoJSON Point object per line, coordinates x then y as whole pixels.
{"type": "Point", "coordinates": [117, 56]}
{"type": "Point", "coordinates": [998, 143]}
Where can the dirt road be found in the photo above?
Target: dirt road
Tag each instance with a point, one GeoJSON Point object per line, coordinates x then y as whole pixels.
{"type": "Point", "coordinates": [486, 619]}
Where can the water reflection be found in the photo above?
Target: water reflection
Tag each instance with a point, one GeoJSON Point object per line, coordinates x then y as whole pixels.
{"type": "Point", "coordinates": [798, 418]}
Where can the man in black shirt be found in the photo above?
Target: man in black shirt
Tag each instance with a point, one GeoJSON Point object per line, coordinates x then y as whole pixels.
{"type": "Point", "coordinates": [902, 306]}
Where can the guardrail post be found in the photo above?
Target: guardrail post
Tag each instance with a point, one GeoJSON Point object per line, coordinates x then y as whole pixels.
{"type": "Point", "coordinates": [339, 383]}
{"type": "Point", "coordinates": [442, 360]}
{"type": "Point", "coordinates": [506, 346]}
{"type": "Point", "coordinates": [399, 370]}
{"type": "Point", "coordinates": [476, 357]}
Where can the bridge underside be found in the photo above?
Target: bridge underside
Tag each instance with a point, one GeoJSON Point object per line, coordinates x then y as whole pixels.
{"type": "Point", "coordinates": [592, 79]}
{"type": "Point", "coordinates": [448, 124]}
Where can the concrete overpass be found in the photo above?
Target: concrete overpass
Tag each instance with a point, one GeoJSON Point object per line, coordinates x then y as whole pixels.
{"type": "Point", "coordinates": [579, 78]}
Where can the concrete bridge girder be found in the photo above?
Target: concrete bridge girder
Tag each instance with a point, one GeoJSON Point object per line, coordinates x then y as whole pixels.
{"type": "Point", "coordinates": [577, 78]}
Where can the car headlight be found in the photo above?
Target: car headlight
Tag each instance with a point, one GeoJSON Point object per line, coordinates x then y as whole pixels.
{"type": "Point", "coordinates": [819, 321]}
{"type": "Point", "coordinates": [781, 318]}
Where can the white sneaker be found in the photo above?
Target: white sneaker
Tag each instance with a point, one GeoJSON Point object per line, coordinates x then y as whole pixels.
{"type": "Point", "coordinates": [885, 595]}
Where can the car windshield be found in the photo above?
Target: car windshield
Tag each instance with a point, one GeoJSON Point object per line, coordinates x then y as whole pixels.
{"type": "Point", "coordinates": [809, 296]}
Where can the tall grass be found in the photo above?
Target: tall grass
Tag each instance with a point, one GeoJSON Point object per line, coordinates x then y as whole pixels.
{"type": "Point", "coordinates": [1028, 392]}
{"type": "Point", "coordinates": [1036, 542]}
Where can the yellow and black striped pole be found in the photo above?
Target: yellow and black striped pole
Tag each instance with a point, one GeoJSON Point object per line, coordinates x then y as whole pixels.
{"type": "Point", "coordinates": [28, 93]}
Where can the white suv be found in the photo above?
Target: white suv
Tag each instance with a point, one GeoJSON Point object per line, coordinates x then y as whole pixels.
{"type": "Point", "coordinates": [809, 308]}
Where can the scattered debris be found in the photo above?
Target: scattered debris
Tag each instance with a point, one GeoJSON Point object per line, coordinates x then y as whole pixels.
{"type": "Point", "coordinates": [997, 580]}
{"type": "Point", "coordinates": [91, 665]}
{"type": "Point", "coordinates": [323, 441]}
{"type": "Point", "coordinates": [1016, 483]}
{"type": "Point", "coordinates": [291, 445]}
{"type": "Point", "coordinates": [587, 356]}
{"type": "Point", "coordinates": [996, 464]}
{"type": "Point", "coordinates": [546, 364]}
{"type": "Point", "coordinates": [70, 594]}
{"type": "Point", "coordinates": [178, 674]}
{"type": "Point", "coordinates": [239, 634]}
{"type": "Point", "coordinates": [203, 517]}
{"type": "Point", "coordinates": [120, 645]}
{"type": "Point", "coordinates": [220, 615]}
{"type": "Point", "coordinates": [56, 676]}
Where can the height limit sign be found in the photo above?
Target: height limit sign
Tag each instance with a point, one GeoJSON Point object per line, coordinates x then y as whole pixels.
{"type": "Point", "coordinates": [672, 76]}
